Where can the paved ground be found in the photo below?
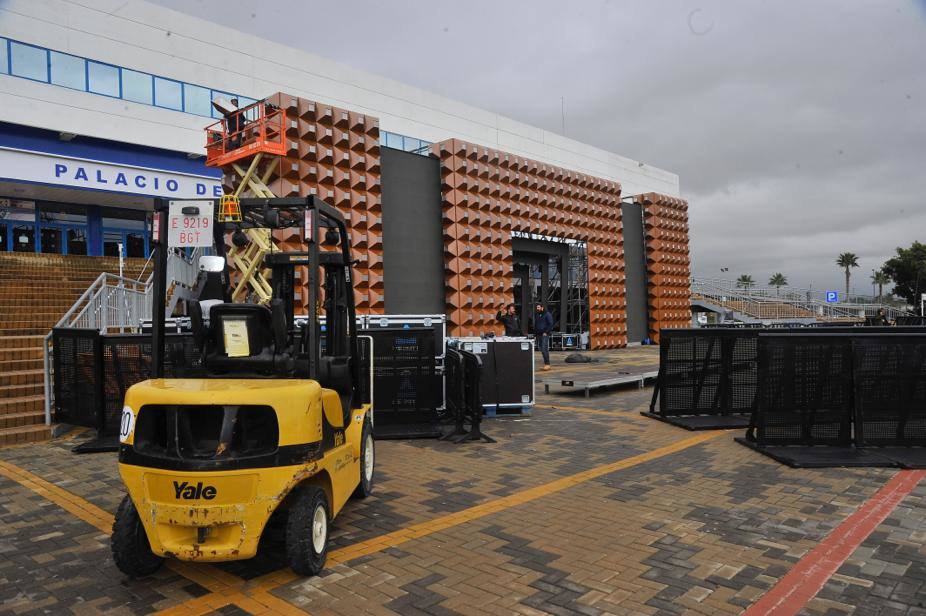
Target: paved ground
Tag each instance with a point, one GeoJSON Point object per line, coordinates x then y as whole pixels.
{"type": "Point", "coordinates": [584, 508]}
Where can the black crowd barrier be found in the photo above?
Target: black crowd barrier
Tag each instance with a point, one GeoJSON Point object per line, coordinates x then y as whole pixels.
{"type": "Point", "coordinates": [407, 388]}
{"type": "Point", "coordinates": [708, 376]}
{"type": "Point", "coordinates": [910, 321]}
{"type": "Point", "coordinates": [93, 372]}
{"type": "Point", "coordinates": [464, 400]}
{"type": "Point", "coordinates": [78, 382]}
{"type": "Point", "coordinates": [841, 399]}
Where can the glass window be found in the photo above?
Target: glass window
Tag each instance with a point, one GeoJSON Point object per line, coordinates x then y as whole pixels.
{"type": "Point", "coordinates": [111, 241]}
{"type": "Point", "coordinates": [51, 240]}
{"type": "Point", "coordinates": [123, 223]}
{"type": "Point", "coordinates": [77, 242]}
{"type": "Point", "coordinates": [168, 93]}
{"type": "Point", "coordinates": [23, 238]}
{"type": "Point", "coordinates": [103, 78]}
{"type": "Point", "coordinates": [4, 58]}
{"type": "Point", "coordinates": [28, 61]}
{"type": "Point", "coordinates": [197, 100]}
{"type": "Point", "coordinates": [135, 245]}
{"type": "Point", "coordinates": [3, 236]}
{"type": "Point", "coordinates": [394, 141]}
{"type": "Point", "coordinates": [68, 71]}
{"type": "Point", "coordinates": [137, 87]}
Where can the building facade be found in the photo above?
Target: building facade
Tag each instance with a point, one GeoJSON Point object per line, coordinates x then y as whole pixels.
{"type": "Point", "coordinates": [102, 108]}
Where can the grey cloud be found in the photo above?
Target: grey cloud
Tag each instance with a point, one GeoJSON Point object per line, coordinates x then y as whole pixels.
{"type": "Point", "coordinates": [797, 128]}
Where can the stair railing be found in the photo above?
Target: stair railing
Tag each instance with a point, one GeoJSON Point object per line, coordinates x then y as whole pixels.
{"type": "Point", "coordinates": [118, 303]}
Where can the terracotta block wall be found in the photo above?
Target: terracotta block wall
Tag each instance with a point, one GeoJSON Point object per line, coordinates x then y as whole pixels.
{"type": "Point", "coordinates": [333, 153]}
{"type": "Point", "coordinates": [487, 195]}
{"type": "Point", "coordinates": [668, 268]}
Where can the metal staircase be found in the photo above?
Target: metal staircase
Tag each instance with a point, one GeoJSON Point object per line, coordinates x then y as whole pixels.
{"type": "Point", "coordinates": [116, 304]}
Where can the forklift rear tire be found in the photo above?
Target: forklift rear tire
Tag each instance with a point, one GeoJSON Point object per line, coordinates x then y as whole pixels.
{"type": "Point", "coordinates": [307, 532]}
{"type": "Point", "coordinates": [131, 550]}
{"type": "Point", "coordinates": [367, 460]}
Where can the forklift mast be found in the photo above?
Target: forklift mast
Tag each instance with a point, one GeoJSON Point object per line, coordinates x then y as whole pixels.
{"type": "Point", "coordinates": [328, 251]}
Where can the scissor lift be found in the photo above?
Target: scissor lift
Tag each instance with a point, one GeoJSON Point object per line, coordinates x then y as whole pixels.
{"type": "Point", "coordinates": [253, 151]}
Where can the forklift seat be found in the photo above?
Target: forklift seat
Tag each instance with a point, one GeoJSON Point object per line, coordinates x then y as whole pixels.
{"type": "Point", "coordinates": [247, 338]}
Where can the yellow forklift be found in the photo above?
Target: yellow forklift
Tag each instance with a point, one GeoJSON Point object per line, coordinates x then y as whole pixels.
{"type": "Point", "coordinates": [272, 417]}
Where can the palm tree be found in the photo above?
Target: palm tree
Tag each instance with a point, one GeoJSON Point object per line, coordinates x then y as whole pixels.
{"type": "Point", "coordinates": [778, 280]}
{"type": "Point", "coordinates": [745, 281]}
{"type": "Point", "coordinates": [880, 278]}
{"type": "Point", "coordinates": [847, 260]}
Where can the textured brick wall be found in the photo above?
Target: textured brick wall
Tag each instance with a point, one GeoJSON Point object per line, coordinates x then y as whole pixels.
{"type": "Point", "coordinates": [668, 271]}
{"type": "Point", "coordinates": [334, 153]}
{"type": "Point", "coordinates": [487, 195]}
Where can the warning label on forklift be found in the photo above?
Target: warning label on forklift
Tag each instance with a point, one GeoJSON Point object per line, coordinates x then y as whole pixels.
{"type": "Point", "coordinates": [189, 224]}
{"type": "Point", "coordinates": [236, 337]}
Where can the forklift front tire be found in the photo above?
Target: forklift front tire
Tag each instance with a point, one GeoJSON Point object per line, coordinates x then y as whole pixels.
{"type": "Point", "coordinates": [307, 532]}
{"type": "Point", "coordinates": [367, 461]}
{"type": "Point", "coordinates": [131, 550]}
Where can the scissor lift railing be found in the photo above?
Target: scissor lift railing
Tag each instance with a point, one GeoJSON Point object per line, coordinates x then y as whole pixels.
{"type": "Point", "coordinates": [258, 129]}
{"type": "Point", "coordinates": [259, 139]}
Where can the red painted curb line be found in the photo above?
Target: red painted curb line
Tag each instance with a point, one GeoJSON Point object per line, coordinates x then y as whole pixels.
{"type": "Point", "coordinates": [807, 577]}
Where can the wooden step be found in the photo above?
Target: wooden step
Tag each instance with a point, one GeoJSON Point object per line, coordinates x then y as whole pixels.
{"type": "Point", "coordinates": [21, 377]}
{"type": "Point", "coordinates": [58, 303]}
{"type": "Point", "coordinates": [22, 404]}
{"type": "Point", "coordinates": [20, 342]}
{"type": "Point", "coordinates": [25, 331]}
{"type": "Point", "coordinates": [22, 390]}
{"type": "Point", "coordinates": [25, 434]}
{"type": "Point", "coordinates": [17, 354]}
{"type": "Point", "coordinates": [11, 365]}
{"type": "Point", "coordinates": [14, 420]}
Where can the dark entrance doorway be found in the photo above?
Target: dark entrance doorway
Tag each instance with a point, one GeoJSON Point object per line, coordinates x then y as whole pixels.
{"type": "Point", "coordinates": [541, 276]}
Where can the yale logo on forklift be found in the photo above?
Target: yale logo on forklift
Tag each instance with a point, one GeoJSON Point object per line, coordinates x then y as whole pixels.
{"type": "Point", "coordinates": [183, 490]}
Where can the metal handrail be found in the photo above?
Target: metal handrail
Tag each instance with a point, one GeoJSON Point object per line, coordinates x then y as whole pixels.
{"type": "Point", "coordinates": [769, 308]}
{"type": "Point", "coordinates": [759, 302]}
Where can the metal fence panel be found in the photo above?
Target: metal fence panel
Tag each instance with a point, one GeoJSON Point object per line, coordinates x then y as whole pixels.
{"type": "Point", "coordinates": [78, 376]}
{"type": "Point", "coordinates": [890, 390]}
{"type": "Point", "coordinates": [707, 371]}
{"type": "Point", "coordinates": [804, 392]}
{"type": "Point", "coordinates": [126, 360]}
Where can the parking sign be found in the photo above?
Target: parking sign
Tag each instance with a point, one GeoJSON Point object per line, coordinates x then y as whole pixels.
{"type": "Point", "coordinates": [832, 297]}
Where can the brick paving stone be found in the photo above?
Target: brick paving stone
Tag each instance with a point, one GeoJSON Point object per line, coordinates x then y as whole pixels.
{"type": "Point", "coordinates": [706, 530]}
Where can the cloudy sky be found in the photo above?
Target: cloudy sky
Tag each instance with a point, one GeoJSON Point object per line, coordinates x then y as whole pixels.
{"type": "Point", "coordinates": [798, 129]}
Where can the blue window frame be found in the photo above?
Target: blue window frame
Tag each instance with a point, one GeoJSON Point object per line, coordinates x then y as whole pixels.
{"type": "Point", "coordinates": [103, 79]}
{"type": "Point", "coordinates": [28, 61]}
{"type": "Point", "coordinates": [4, 56]}
{"type": "Point", "coordinates": [68, 71]}
{"type": "Point", "coordinates": [134, 241]}
{"type": "Point", "coordinates": [197, 100]}
{"type": "Point", "coordinates": [137, 87]}
{"type": "Point", "coordinates": [168, 93]}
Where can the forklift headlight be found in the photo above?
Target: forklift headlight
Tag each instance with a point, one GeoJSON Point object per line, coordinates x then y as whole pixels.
{"type": "Point", "coordinates": [127, 424]}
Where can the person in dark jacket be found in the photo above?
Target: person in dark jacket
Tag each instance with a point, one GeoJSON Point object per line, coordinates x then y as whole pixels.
{"type": "Point", "coordinates": [234, 123]}
{"type": "Point", "coordinates": [543, 325]}
{"type": "Point", "coordinates": [510, 320]}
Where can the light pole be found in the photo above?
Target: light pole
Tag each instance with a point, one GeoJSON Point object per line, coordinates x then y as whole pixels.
{"type": "Point", "coordinates": [872, 283]}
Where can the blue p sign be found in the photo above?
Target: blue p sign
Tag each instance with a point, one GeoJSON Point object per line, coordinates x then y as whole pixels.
{"type": "Point", "coordinates": [832, 297]}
